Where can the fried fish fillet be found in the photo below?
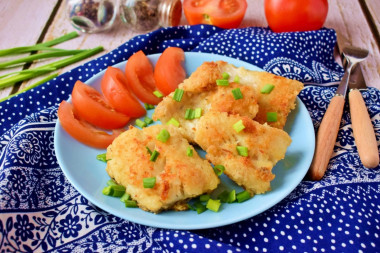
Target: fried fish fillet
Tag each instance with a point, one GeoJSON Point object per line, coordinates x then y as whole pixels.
{"type": "Point", "coordinates": [202, 82]}
{"type": "Point", "coordinates": [266, 146]}
{"type": "Point", "coordinates": [201, 91]}
{"type": "Point", "coordinates": [281, 99]}
{"type": "Point", "coordinates": [178, 176]}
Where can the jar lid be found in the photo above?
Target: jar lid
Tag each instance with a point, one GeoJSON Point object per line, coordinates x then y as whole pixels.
{"type": "Point", "coordinates": [170, 12]}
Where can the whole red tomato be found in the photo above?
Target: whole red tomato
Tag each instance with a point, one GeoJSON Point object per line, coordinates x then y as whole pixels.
{"type": "Point", "coordinates": [295, 15]}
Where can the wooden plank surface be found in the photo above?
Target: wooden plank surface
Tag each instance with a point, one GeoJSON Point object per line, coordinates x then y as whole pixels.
{"type": "Point", "coordinates": [22, 24]}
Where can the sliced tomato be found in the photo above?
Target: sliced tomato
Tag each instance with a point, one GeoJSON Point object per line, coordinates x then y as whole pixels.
{"type": "Point", "coordinates": [90, 106]}
{"type": "Point", "coordinates": [169, 71]}
{"type": "Point", "coordinates": [82, 131]}
{"type": "Point", "coordinates": [221, 13]}
{"type": "Point", "coordinates": [116, 91]}
{"type": "Point", "coordinates": [139, 73]}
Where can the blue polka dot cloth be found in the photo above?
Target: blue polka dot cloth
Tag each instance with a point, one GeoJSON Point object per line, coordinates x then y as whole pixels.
{"type": "Point", "coordinates": [40, 211]}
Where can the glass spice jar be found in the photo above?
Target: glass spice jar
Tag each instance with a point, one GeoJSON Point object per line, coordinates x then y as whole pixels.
{"type": "Point", "coordinates": [147, 15]}
{"type": "Point", "coordinates": [92, 16]}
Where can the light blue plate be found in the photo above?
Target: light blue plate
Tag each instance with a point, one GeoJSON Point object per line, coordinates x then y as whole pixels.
{"type": "Point", "coordinates": [88, 175]}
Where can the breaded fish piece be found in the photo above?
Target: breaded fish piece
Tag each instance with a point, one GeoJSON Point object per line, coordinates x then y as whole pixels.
{"type": "Point", "coordinates": [201, 91]}
{"type": "Point", "coordinates": [178, 176]}
{"type": "Point", "coordinates": [266, 146]}
{"type": "Point", "coordinates": [281, 99]}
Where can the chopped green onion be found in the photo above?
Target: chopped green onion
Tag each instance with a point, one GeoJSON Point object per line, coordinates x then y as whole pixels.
{"type": "Point", "coordinates": [213, 204]}
{"type": "Point", "coordinates": [158, 94]}
{"type": "Point", "coordinates": [271, 116]}
{"type": "Point", "coordinates": [266, 89]}
{"type": "Point", "coordinates": [149, 182]}
{"type": "Point", "coordinates": [125, 197]}
{"type": "Point", "coordinates": [173, 122]}
{"type": "Point", "coordinates": [149, 151]}
{"type": "Point", "coordinates": [219, 169]}
{"type": "Point", "coordinates": [243, 196]}
{"type": "Point", "coordinates": [140, 123]}
{"type": "Point", "coordinates": [225, 75]}
{"type": "Point", "coordinates": [111, 182]}
{"type": "Point", "coordinates": [191, 207]}
{"type": "Point", "coordinates": [148, 106]}
{"type": "Point", "coordinates": [178, 93]}
{"type": "Point", "coordinates": [237, 79]}
{"type": "Point", "coordinates": [237, 93]}
{"type": "Point", "coordinates": [197, 113]}
{"type": "Point", "coordinates": [154, 155]}
{"type": "Point", "coordinates": [130, 203]}
{"type": "Point", "coordinates": [242, 151]}
{"type": "Point", "coordinates": [163, 136]}
{"type": "Point", "coordinates": [148, 120]}
{"type": "Point", "coordinates": [222, 82]}
{"type": "Point", "coordinates": [102, 157]}
{"type": "Point", "coordinates": [239, 126]}
{"type": "Point", "coordinates": [189, 152]}
{"type": "Point", "coordinates": [199, 207]}
{"type": "Point", "coordinates": [227, 196]}
{"type": "Point", "coordinates": [204, 197]}
{"type": "Point", "coordinates": [189, 114]}
{"type": "Point", "coordinates": [114, 190]}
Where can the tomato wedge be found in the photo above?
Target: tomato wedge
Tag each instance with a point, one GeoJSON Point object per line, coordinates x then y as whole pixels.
{"type": "Point", "coordinates": [118, 94]}
{"type": "Point", "coordinates": [90, 106]}
{"type": "Point", "coordinates": [139, 73]}
{"type": "Point", "coordinates": [82, 131]}
{"type": "Point", "coordinates": [221, 13]}
{"type": "Point", "coordinates": [168, 72]}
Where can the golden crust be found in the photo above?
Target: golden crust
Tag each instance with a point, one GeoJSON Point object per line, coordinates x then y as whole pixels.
{"type": "Point", "coordinates": [266, 146]}
{"type": "Point", "coordinates": [281, 99]}
{"type": "Point", "coordinates": [178, 176]}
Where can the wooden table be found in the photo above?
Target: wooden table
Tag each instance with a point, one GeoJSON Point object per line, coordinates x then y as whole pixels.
{"type": "Point", "coordinates": [27, 22]}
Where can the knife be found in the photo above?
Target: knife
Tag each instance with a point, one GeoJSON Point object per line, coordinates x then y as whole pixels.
{"type": "Point", "coordinates": [362, 128]}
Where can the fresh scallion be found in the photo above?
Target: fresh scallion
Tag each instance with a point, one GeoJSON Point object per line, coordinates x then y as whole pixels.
{"type": "Point", "coordinates": [163, 136]}
{"type": "Point", "coordinates": [148, 106]}
{"type": "Point", "coordinates": [236, 79]}
{"type": "Point", "coordinates": [222, 82]}
{"type": "Point", "coordinates": [148, 120]}
{"type": "Point", "coordinates": [242, 151]}
{"type": "Point", "coordinates": [158, 94]}
{"type": "Point", "coordinates": [199, 207]}
{"type": "Point", "coordinates": [266, 89]}
{"type": "Point", "coordinates": [219, 169]}
{"type": "Point", "coordinates": [204, 197]}
{"type": "Point", "coordinates": [189, 114]}
{"type": "Point", "coordinates": [197, 113]}
{"type": "Point", "coordinates": [114, 190]}
{"type": "Point", "coordinates": [125, 197]}
{"type": "Point", "coordinates": [243, 196]}
{"type": "Point", "coordinates": [239, 126]}
{"type": "Point", "coordinates": [237, 93]}
{"type": "Point", "coordinates": [149, 182]}
{"type": "Point", "coordinates": [178, 93]}
{"type": "Point", "coordinates": [189, 151]}
{"type": "Point", "coordinates": [102, 157]}
{"type": "Point", "coordinates": [140, 123]}
{"type": "Point", "coordinates": [225, 75]}
{"type": "Point", "coordinates": [130, 203]}
{"type": "Point", "coordinates": [227, 196]}
{"type": "Point", "coordinates": [213, 204]}
{"type": "Point", "coordinates": [154, 156]}
{"type": "Point", "coordinates": [173, 122]}
{"type": "Point", "coordinates": [149, 151]}
{"type": "Point", "coordinates": [271, 116]}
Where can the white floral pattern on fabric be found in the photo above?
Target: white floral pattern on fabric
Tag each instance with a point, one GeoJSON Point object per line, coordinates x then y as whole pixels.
{"type": "Point", "coordinates": [41, 211]}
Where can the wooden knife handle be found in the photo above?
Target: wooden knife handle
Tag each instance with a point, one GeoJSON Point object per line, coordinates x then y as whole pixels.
{"type": "Point", "coordinates": [326, 138]}
{"type": "Point", "coordinates": [364, 134]}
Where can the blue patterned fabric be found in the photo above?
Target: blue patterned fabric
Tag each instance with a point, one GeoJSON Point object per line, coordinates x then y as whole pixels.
{"type": "Point", "coordinates": [41, 211]}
